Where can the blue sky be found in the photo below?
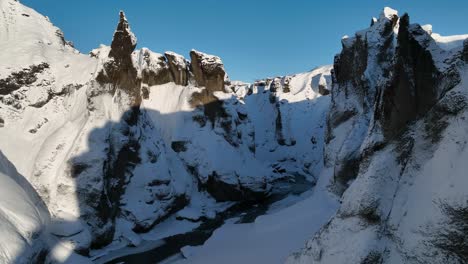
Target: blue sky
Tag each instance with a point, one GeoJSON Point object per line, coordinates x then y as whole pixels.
{"type": "Point", "coordinates": [254, 38]}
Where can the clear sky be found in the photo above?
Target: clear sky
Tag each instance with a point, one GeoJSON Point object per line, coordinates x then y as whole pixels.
{"type": "Point", "coordinates": [254, 38]}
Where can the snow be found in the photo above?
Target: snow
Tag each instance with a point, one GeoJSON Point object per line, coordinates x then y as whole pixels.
{"type": "Point", "coordinates": [449, 42]}
{"type": "Point", "coordinates": [23, 217]}
{"type": "Point", "coordinates": [272, 237]}
{"type": "Point", "coordinates": [32, 39]}
{"type": "Point", "coordinates": [207, 59]}
{"type": "Point", "coordinates": [434, 177]}
{"type": "Point", "coordinates": [277, 130]}
{"type": "Point", "coordinates": [394, 208]}
{"type": "Point", "coordinates": [388, 13]}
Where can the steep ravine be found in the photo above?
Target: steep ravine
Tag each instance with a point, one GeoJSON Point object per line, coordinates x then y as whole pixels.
{"type": "Point", "coordinates": [365, 157]}
{"type": "Point", "coordinates": [400, 170]}
{"type": "Point", "coordinates": [171, 247]}
{"type": "Point", "coordinates": [120, 140]}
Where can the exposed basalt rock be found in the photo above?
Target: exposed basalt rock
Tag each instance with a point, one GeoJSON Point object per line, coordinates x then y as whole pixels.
{"type": "Point", "coordinates": [450, 237]}
{"type": "Point", "coordinates": [154, 69]}
{"type": "Point", "coordinates": [120, 71]}
{"type": "Point", "coordinates": [355, 54]}
{"type": "Point", "coordinates": [67, 89]}
{"type": "Point", "coordinates": [180, 68]}
{"type": "Point", "coordinates": [279, 127]}
{"type": "Point", "coordinates": [414, 88]}
{"type": "Point", "coordinates": [380, 94]}
{"type": "Point", "coordinates": [399, 109]}
{"type": "Point", "coordinates": [123, 43]}
{"type": "Point", "coordinates": [437, 119]}
{"type": "Point", "coordinates": [323, 90]}
{"type": "Point", "coordinates": [122, 157]}
{"type": "Point", "coordinates": [223, 191]}
{"type": "Point", "coordinates": [178, 203]}
{"type": "Point", "coordinates": [208, 71]}
{"type": "Point", "coordinates": [374, 257]}
{"type": "Point", "coordinates": [25, 77]}
{"type": "Point", "coordinates": [2, 122]}
{"type": "Point", "coordinates": [179, 146]}
{"type": "Point", "coordinates": [345, 172]}
{"type": "Point", "coordinates": [465, 50]}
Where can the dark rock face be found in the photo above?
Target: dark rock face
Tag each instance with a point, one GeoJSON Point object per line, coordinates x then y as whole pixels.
{"type": "Point", "coordinates": [208, 72]}
{"type": "Point", "coordinates": [355, 55]}
{"type": "Point", "coordinates": [179, 68]}
{"type": "Point", "coordinates": [451, 237]}
{"type": "Point", "coordinates": [179, 202]}
{"type": "Point", "coordinates": [124, 42]}
{"type": "Point", "coordinates": [120, 72]}
{"type": "Point", "coordinates": [465, 50]}
{"type": "Point", "coordinates": [323, 90]}
{"type": "Point", "coordinates": [119, 75]}
{"type": "Point", "coordinates": [414, 88]}
{"type": "Point", "coordinates": [381, 87]}
{"type": "Point", "coordinates": [150, 76]}
{"type": "Point", "coordinates": [21, 78]}
{"type": "Point", "coordinates": [179, 146]}
{"type": "Point", "coordinates": [354, 94]}
{"type": "Point", "coordinates": [223, 191]}
{"type": "Point", "coordinates": [399, 91]}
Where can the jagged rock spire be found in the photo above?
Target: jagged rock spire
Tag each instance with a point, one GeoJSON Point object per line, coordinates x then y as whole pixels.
{"type": "Point", "coordinates": [124, 41]}
{"type": "Point", "coordinates": [119, 70]}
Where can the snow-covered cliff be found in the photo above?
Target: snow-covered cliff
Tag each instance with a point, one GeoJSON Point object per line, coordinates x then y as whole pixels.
{"type": "Point", "coordinates": [116, 141]}
{"type": "Point", "coordinates": [98, 150]}
{"type": "Point", "coordinates": [396, 137]}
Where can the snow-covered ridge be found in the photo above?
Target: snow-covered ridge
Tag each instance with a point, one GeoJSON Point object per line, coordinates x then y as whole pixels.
{"type": "Point", "coordinates": [124, 141]}
{"type": "Point", "coordinates": [391, 132]}
{"type": "Point", "coordinates": [117, 141]}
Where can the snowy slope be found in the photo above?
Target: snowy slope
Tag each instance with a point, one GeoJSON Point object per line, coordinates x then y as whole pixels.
{"type": "Point", "coordinates": [272, 237]}
{"type": "Point", "coordinates": [117, 141]}
{"type": "Point", "coordinates": [23, 217]}
{"type": "Point", "coordinates": [402, 180]}
{"type": "Point", "coordinates": [111, 146]}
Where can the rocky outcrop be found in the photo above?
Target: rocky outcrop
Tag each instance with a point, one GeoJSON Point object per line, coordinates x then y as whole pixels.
{"type": "Point", "coordinates": [393, 116]}
{"type": "Point", "coordinates": [123, 43]}
{"type": "Point", "coordinates": [25, 77]}
{"type": "Point", "coordinates": [417, 83]}
{"type": "Point", "coordinates": [465, 50]}
{"type": "Point", "coordinates": [208, 71]}
{"type": "Point", "coordinates": [379, 96]}
{"type": "Point", "coordinates": [153, 69]}
{"type": "Point", "coordinates": [223, 191]}
{"type": "Point", "coordinates": [355, 93]}
{"type": "Point", "coordinates": [119, 71]}
{"type": "Point", "coordinates": [180, 68]}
